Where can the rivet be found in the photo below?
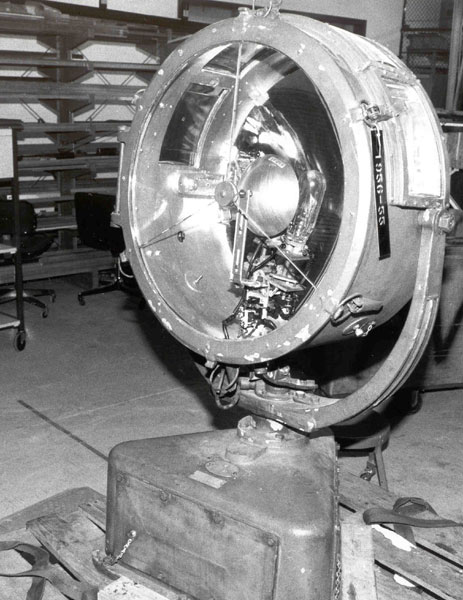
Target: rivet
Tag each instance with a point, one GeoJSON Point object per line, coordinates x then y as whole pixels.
{"type": "Point", "coordinates": [270, 542]}
{"type": "Point", "coordinates": [217, 518]}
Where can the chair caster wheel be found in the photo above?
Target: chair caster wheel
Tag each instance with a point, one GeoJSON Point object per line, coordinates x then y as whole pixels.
{"type": "Point", "coordinates": [367, 475]}
{"type": "Point", "coordinates": [45, 313]}
{"type": "Point", "coordinates": [81, 300]}
{"type": "Point", "coordinates": [20, 341]}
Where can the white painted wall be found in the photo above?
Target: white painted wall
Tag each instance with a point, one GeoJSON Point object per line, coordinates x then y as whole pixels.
{"type": "Point", "coordinates": [384, 17]}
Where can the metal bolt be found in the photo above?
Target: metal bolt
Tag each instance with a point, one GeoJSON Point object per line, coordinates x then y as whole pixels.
{"type": "Point", "coordinates": [164, 497]}
{"type": "Point", "coordinates": [447, 221]}
{"type": "Point", "coordinates": [180, 236]}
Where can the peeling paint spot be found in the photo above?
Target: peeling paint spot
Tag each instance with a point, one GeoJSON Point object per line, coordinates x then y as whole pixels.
{"type": "Point", "coordinates": [166, 324]}
{"type": "Point", "coordinates": [180, 52]}
{"type": "Point", "coordinates": [303, 570]}
{"type": "Point", "coordinates": [321, 68]}
{"type": "Point", "coordinates": [149, 252]}
{"type": "Point", "coordinates": [161, 72]}
{"type": "Point", "coordinates": [252, 357]}
{"type": "Point", "coordinates": [157, 253]}
{"type": "Point", "coordinates": [287, 343]}
{"type": "Point", "coordinates": [304, 333]}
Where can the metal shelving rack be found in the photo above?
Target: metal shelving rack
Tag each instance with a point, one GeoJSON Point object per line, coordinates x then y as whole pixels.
{"type": "Point", "coordinates": [9, 173]}
{"type": "Point", "coordinates": [83, 154]}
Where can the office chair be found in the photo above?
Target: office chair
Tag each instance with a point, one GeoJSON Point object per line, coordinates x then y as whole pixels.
{"type": "Point", "coordinates": [93, 216]}
{"type": "Point", "coordinates": [31, 246]}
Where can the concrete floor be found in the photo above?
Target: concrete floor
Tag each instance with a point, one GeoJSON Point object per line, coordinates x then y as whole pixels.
{"type": "Point", "coordinates": [93, 376]}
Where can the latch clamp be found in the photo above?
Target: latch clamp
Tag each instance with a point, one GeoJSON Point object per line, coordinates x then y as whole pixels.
{"type": "Point", "coordinates": [372, 114]}
{"type": "Point", "coordinates": [354, 305]}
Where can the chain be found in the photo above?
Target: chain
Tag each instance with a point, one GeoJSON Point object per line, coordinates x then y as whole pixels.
{"type": "Point", "coordinates": [130, 538]}
{"type": "Point", "coordinates": [338, 579]}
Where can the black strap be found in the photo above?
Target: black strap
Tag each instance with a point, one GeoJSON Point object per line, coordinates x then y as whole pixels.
{"type": "Point", "coordinates": [402, 514]}
{"type": "Point", "coordinates": [42, 571]}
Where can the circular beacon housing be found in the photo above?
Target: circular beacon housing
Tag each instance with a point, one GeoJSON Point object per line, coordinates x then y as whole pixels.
{"type": "Point", "coordinates": [281, 187]}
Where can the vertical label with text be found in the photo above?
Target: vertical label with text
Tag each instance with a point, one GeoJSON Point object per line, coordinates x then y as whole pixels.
{"type": "Point", "coordinates": [382, 217]}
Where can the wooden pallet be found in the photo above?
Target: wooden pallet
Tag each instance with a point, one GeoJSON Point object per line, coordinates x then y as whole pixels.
{"type": "Point", "coordinates": [71, 526]}
{"type": "Point", "coordinates": [435, 565]}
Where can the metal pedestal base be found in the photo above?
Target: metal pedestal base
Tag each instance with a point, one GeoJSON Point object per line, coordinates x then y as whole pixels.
{"type": "Point", "coordinates": [246, 514]}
